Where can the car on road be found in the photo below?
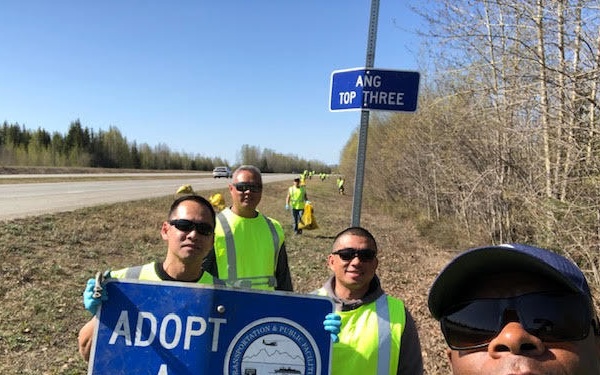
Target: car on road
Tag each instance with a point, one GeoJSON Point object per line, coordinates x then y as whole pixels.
{"type": "Point", "coordinates": [219, 172]}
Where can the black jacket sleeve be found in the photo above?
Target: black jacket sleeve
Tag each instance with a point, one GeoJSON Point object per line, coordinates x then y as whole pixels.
{"type": "Point", "coordinates": [282, 272]}
{"type": "Point", "coordinates": [410, 361]}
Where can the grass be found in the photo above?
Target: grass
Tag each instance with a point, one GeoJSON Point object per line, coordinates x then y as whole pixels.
{"type": "Point", "coordinates": [47, 260]}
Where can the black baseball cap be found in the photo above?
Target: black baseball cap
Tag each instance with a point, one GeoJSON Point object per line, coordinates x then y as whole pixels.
{"type": "Point", "coordinates": [448, 286]}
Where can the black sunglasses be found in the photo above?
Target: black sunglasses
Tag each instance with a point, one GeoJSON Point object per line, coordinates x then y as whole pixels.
{"type": "Point", "coordinates": [244, 186]}
{"type": "Point", "coordinates": [185, 225]}
{"type": "Point", "coordinates": [365, 255]}
{"type": "Point", "coordinates": [550, 316]}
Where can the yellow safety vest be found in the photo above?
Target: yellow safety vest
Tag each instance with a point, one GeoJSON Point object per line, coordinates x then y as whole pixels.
{"type": "Point", "coordinates": [148, 272]}
{"type": "Point", "coordinates": [247, 249]}
{"type": "Point", "coordinates": [297, 197]}
{"type": "Point", "coordinates": [363, 349]}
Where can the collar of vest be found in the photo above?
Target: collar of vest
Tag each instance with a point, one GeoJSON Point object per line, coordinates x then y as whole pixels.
{"type": "Point", "coordinates": [375, 291]}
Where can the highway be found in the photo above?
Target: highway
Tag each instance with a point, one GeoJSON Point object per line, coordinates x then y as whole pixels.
{"type": "Point", "coordinates": [21, 200]}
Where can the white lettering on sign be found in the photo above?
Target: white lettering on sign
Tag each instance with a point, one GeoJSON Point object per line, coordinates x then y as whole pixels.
{"type": "Point", "coordinates": [347, 97]}
{"type": "Point", "coordinates": [368, 81]}
{"type": "Point", "coordinates": [217, 322]}
{"type": "Point", "coordinates": [189, 328]}
{"type": "Point", "coordinates": [388, 98]}
{"type": "Point", "coordinates": [163, 331]}
{"type": "Point", "coordinates": [194, 326]}
{"type": "Point", "coordinates": [138, 328]}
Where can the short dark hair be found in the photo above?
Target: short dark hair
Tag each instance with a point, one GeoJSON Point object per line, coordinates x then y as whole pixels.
{"type": "Point", "coordinates": [357, 231]}
{"type": "Point", "coordinates": [196, 198]}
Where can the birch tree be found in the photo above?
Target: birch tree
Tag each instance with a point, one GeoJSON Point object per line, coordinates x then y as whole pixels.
{"type": "Point", "coordinates": [526, 75]}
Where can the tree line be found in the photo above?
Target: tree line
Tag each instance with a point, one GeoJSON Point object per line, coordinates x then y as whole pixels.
{"type": "Point", "coordinates": [505, 144]}
{"type": "Point", "coordinates": [84, 147]}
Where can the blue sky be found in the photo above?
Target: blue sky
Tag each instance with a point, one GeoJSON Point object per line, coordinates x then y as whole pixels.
{"type": "Point", "coordinates": [202, 77]}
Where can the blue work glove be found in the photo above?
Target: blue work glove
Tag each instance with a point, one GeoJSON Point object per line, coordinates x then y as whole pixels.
{"type": "Point", "coordinates": [332, 324]}
{"type": "Point", "coordinates": [287, 207]}
{"type": "Point", "coordinates": [90, 302]}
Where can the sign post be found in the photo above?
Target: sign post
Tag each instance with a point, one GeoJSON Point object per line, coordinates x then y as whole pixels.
{"type": "Point", "coordinates": [371, 89]}
{"type": "Point", "coordinates": [186, 328]}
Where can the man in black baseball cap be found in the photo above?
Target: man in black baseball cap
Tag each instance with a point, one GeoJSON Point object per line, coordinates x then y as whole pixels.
{"type": "Point", "coordinates": [516, 309]}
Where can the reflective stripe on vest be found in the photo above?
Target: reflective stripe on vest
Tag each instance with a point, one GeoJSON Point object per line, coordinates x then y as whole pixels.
{"type": "Point", "coordinates": [383, 329]}
{"type": "Point", "coordinates": [247, 282]}
{"type": "Point", "coordinates": [137, 273]}
{"type": "Point", "coordinates": [133, 272]}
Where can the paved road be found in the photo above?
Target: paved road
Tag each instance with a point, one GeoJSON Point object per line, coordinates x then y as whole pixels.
{"type": "Point", "coordinates": [95, 175]}
{"type": "Point", "coordinates": [21, 200]}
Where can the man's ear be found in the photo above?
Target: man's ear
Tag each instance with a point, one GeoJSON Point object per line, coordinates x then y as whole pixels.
{"type": "Point", "coordinates": [163, 230]}
{"type": "Point", "coordinates": [596, 330]}
{"type": "Point", "coordinates": [449, 356]}
{"type": "Point", "coordinates": [330, 261]}
{"type": "Point", "coordinates": [596, 326]}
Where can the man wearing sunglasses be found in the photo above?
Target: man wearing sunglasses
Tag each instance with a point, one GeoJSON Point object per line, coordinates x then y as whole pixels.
{"type": "Point", "coordinates": [516, 309]}
{"type": "Point", "coordinates": [378, 334]}
{"type": "Point", "coordinates": [188, 232]}
{"type": "Point", "coordinates": [249, 249]}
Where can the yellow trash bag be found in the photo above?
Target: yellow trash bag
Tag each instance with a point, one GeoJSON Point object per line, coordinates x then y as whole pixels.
{"type": "Point", "coordinates": [217, 201]}
{"type": "Point", "coordinates": [308, 220]}
{"type": "Point", "coordinates": [184, 190]}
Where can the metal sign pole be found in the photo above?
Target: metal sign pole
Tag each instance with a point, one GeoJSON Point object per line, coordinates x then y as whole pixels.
{"type": "Point", "coordinates": [364, 119]}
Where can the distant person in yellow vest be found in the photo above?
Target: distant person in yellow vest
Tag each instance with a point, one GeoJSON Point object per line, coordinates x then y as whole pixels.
{"type": "Point", "coordinates": [188, 232]}
{"type": "Point", "coordinates": [296, 198]}
{"type": "Point", "coordinates": [378, 334]}
{"type": "Point", "coordinates": [249, 248]}
{"type": "Point", "coordinates": [340, 185]}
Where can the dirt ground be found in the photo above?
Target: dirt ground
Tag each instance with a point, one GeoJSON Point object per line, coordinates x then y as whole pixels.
{"type": "Point", "coordinates": [47, 260]}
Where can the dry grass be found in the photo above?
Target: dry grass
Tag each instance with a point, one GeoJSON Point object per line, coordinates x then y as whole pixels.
{"type": "Point", "coordinates": [47, 259]}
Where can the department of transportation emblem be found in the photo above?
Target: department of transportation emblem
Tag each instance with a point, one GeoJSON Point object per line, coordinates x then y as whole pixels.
{"type": "Point", "coordinates": [272, 346]}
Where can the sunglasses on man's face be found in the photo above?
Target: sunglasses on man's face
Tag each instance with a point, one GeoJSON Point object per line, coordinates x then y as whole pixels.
{"type": "Point", "coordinates": [550, 316]}
{"type": "Point", "coordinates": [365, 255]}
{"type": "Point", "coordinates": [244, 186]}
{"type": "Point", "coordinates": [185, 225]}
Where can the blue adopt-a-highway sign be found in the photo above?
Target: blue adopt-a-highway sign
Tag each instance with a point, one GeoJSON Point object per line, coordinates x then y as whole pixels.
{"type": "Point", "coordinates": [374, 89]}
{"type": "Point", "coordinates": [185, 328]}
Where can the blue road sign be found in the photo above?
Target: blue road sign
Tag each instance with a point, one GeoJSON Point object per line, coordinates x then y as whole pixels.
{"type": "Point", "coordinates": [185, 328]}
{"type": "Point", "coordinates": [374, 89]}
